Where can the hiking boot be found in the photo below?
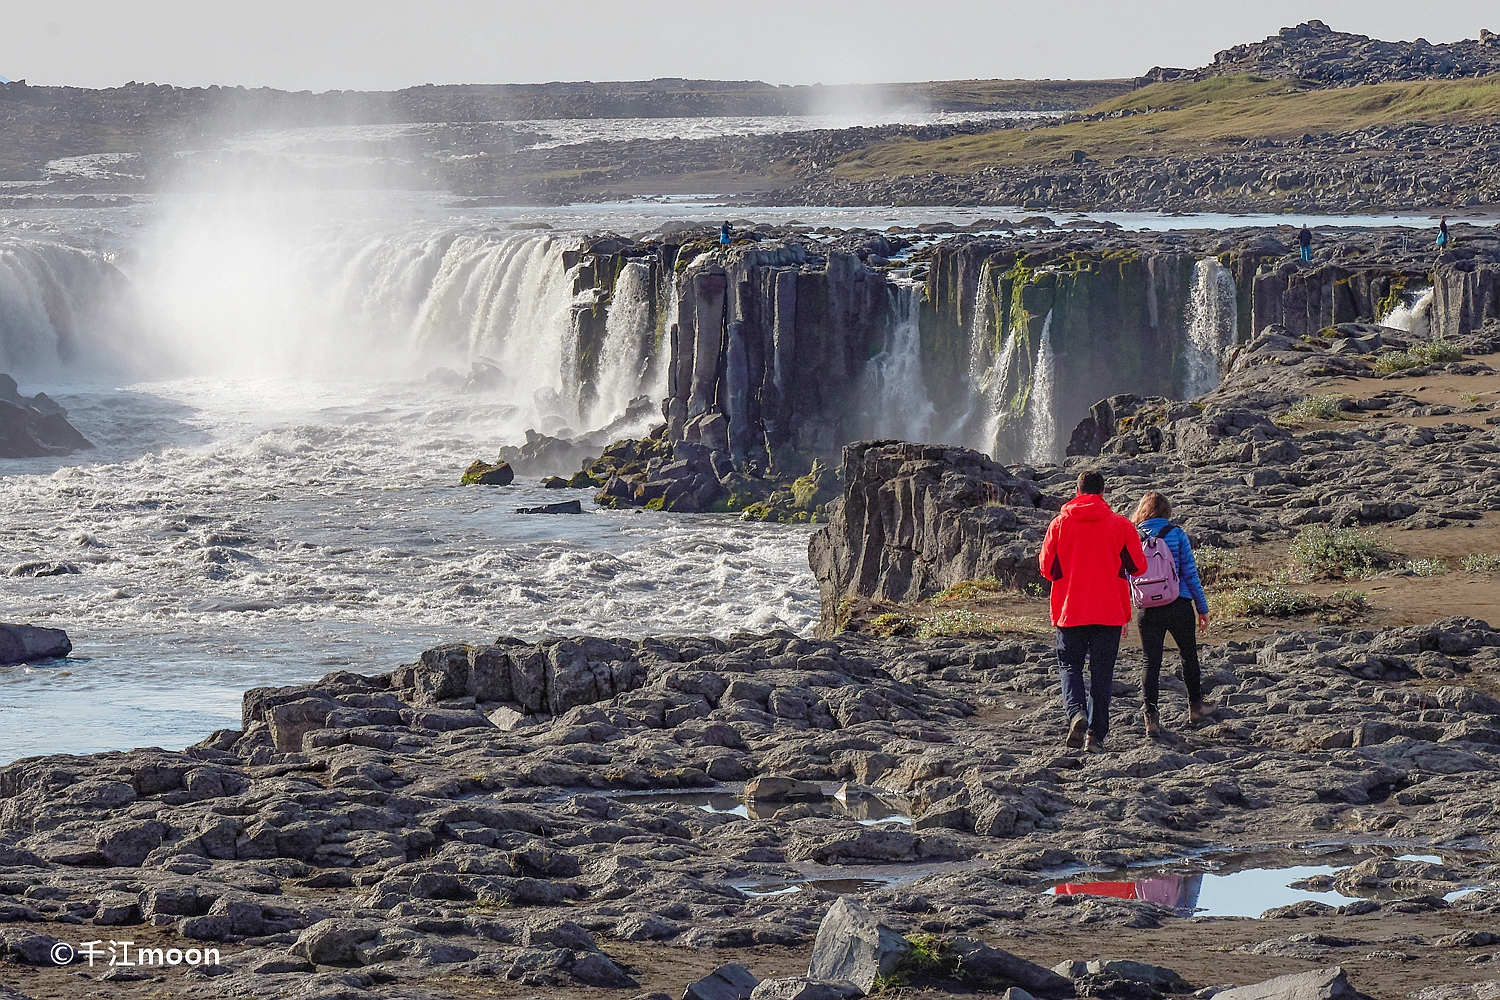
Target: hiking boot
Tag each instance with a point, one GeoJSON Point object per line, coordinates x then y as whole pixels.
{"type": "Point", "coordinates": [1153, 722]}
{"type": "Point", "coordinates": [1198, 713]}
{"type": "Point", "coordinates": [1077, 729]}
{"type": "Point", "coordinates": [1096, 745]}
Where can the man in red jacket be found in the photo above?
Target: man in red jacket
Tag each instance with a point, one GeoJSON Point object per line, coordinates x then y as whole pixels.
{"type": "Point", "coordinates": [1089, 555]}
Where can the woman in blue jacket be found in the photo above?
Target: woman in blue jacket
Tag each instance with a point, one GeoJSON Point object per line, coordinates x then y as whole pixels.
{"type": "Point", "coordinates": [1152, 515]}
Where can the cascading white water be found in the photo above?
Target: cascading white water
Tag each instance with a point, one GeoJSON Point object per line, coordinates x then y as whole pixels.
{"type": "Point", "coordinates": [897, 392]}
{"type": "Point", "coordinates": [995, 389]}
{"type": "Point", "coordinates": [1041, 444]}
{"type": "Point", "coordinates": [1212, 326]}
{"type": "Point", "coordinates": [1412, 315]}
{"type": "Point", "coordinates": [54, 300]}
{"type": "Point", "coordinates": [627, 367]}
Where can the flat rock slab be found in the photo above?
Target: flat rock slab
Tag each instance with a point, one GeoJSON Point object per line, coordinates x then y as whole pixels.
{"type": "Point", "coordinates": [727, 982]}
{"type": "Point", "coordinates": [1318, 984]}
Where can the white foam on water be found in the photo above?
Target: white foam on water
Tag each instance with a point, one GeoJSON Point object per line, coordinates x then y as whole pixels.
{"type": "Point", "coordinates": [228, 534]}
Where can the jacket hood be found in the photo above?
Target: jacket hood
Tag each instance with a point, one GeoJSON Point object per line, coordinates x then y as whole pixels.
{"type": "Point", "coordinates": [1087, 507]}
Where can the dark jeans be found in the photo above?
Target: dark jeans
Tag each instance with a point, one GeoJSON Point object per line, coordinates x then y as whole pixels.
{"type": "Point", "coordinates": [1099, 644]}
{"type": "Point", "coordinates": [1180, 619]}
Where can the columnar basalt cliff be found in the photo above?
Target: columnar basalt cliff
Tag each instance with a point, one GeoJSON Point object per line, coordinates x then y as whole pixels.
{"type": "Point", "coordinates": [781, 349]}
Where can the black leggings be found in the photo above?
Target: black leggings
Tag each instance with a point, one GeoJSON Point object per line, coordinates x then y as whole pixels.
{"type": "Point", "coordinates": [1180, 619]}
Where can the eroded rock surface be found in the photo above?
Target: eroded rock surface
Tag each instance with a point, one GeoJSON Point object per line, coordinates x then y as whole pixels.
{"type": "Point", "coordinates": [385, 828]}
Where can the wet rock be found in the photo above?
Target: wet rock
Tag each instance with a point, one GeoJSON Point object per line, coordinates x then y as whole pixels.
{"type": "Point", "coordinates": [28, 643]}
{"type": "Point", "coordinates": [35, 427]}
{"type": "Point", "coordinates": [566, 507]}
{"type": "Point", "coordinates": [482, 473]}
{"type": "Point", "coordinates": [727, 982]}
{"type": "Point", "coordinates": [853, 946]}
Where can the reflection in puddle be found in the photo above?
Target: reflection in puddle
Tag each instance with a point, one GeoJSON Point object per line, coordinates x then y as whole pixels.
{"type": "Point", "coordinates": [868, 810]}
{"type": "Point", "coordinates": [838, 886]}
{"type": "Point", "coordinates": [1245, 893]}
{"type": "Point", "coordinates": [847, 879]}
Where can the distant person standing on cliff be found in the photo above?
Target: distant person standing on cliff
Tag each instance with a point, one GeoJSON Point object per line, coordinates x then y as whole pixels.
{"type": "Point", "coordinates": [1304, 239]}
{"type": "Point", "coordinates": [1089, 554]}
{"type": "Point", "coordinates": [1153, 515]}
{"type": "Point", "coordinates": [1443, 234]}
{"type": "Point", "coordinates": [724, 233]}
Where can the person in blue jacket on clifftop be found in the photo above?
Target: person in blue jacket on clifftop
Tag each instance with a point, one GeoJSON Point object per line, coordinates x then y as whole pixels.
{"type": "Point", "coordinates": [724, 234]}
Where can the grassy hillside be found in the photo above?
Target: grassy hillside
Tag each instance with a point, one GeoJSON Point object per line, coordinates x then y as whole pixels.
{"type": "Point", "coordinates": [1192, 117]}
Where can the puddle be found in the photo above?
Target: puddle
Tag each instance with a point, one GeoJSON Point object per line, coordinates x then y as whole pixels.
{"type": "Point", "coordinates": [848, 879]}
{"type": "Point", "coordinates": [1248, 892]}
{"type": "Point", "coordinates": [865, 809]}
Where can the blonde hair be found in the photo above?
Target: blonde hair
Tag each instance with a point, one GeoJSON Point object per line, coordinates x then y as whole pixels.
{"type": "Point", "coordinates": [1153, 504]}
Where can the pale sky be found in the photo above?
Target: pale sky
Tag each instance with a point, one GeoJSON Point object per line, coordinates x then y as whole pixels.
{"type": "Point", "coordinates": [385, 44]}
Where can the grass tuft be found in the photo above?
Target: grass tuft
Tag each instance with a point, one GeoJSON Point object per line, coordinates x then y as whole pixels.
{"type": "Point", "coordinates": [1482, 562]}
{"type": "Point", "coordinates": [1261, 600]}
{"type": "Point", "coordinates": [1436, 352]}
{"type": "Point", "coordinates": [968, 590]}
{"type": "Point", "coordinates": [1425, 567]}
{"type": "Point", "coordinates": [1216, 565]}
{"type": "Point", "coordinates": [1311, 410]}
{"type": "Point", "coordinates": [1338, 553]}
{"type": "Point", "coordinates": [930, 958]}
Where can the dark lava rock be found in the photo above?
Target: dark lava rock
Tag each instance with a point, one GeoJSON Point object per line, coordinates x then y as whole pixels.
{"type": "Point", "coordinates": [26, 643]}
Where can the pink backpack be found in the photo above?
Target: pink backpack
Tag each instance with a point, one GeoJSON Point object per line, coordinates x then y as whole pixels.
{"type": "Point", "coordinates": [1158, 586]}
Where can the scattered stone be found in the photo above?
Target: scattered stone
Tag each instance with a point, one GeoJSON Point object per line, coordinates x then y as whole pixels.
{"type": "Point", "coordinates": [853, 946]}
{"type": "Point", "coordinates": [727, 982]}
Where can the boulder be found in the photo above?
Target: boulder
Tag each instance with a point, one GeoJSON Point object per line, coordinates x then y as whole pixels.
{"type": "Point", "coordinates": [566, 507]}
{"type": "Point", "coordinates": [727, 982]}
{"type": "Point", "coordinates": [36, 427]}
{"type": "Point", "coordinates": [334, 941]}
{"type": "Point", "coordinates": [28, 643]}
{"type": "Point", "coordinates": [853, 946]}
{"type": "Point", "coordinates": [996, 968]}
{"type": "Point", "coordinates": [917, 518]}
{"type": "Point", "coordinates": [1317, 984]}
{"type": "Point", "coordinates": [481, 473]}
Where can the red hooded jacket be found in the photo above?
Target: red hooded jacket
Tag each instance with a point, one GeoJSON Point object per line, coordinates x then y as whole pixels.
{"type": "Point", "coordinates": [1089, 555]}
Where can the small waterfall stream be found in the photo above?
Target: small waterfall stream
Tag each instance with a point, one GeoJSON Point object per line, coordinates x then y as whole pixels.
{"type": "Point", "coordinates": [901, 406]}
{"type": "Point", "coordinates": [1212, 326]}
{"type": "Point", "coordinates": [1412, 314]}
{"type": "Point", "coordinates": [1041, 443]}
{"type": "Point", "coordinates": [626, 360]}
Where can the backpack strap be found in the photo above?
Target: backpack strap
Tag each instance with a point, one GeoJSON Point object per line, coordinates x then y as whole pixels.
{"type": "Point", "coordinates": [1163, 530]}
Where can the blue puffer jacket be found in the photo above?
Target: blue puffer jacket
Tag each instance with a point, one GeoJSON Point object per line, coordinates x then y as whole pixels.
{"type": "Point", "coordinates": [1188, 584]}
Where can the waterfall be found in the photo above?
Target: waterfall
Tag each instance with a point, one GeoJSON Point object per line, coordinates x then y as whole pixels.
{"type": "Point", "coordinates": [57, 304]}
{"type": "Point", "coordinates": [627, 360]}
{"type": "Point", "coordinates": [1041, 446]}
{"type": "Point", "coordinates": [897, 392]}
{"type": "Point", "coordinates": [994, 392]}
{"type": "Point", "coordinates": [1412, 314]}
{"type": "Point", "coordinates": [1212, 326]}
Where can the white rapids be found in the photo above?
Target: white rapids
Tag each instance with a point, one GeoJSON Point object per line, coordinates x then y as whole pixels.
{"type": "Point", "coordinates": [275, 492]}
